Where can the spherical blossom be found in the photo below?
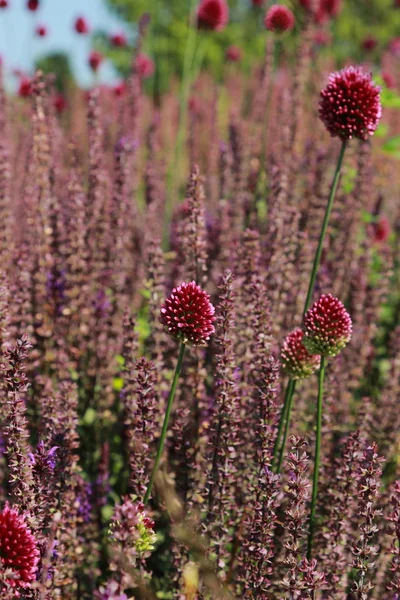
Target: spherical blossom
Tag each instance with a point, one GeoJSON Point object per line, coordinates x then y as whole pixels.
{"type": "Point", "coordinates": [322, 37]}
{"type": "Point", "coordinates": [296, 361]}
{"type": "Point", "coordinates": [188, 314]}
{"type": "Point", "coordinates": [327, 326]}
{"type": "Point", "coordinates": [3, 3]}
{"type": "Point", "coordinates": [381, 229]}
{"type": "Point", "coordinates": [350, 104]}
{"type": "Point", "coordinates": [18, 549]}
{"type": "Point", "coordinates": [59, 103]}
{"type": "Point", "coordinates": [118, 40]}
{"type": "Point", "coordinates": [388, 80]}
{"type": "Point", "coordinates": [233, 54]}
{"type": "Point", "coordinates": [95, 60]}
{"type": "Point", "coordinates": [144, 65]}
{"type": "Point", "coordinates": [369, 43]}
{"type": "Point", "coordinates": [41, 31]}
{"type": "Point", "coordinates": [81, 26]}
{"type": "Point", "coordinates": [279, 18]}
{"type": "Point", "coordinates": [119, 89]}
{"type": "Point", "coordinates": [32, 5]}
{"type": "Point", "coordinates": [213, 14]}
{"type": "Point", "coordinates": [25, 87]}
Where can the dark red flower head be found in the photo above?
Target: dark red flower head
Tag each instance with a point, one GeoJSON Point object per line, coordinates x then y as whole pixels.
{"type": "Point", "coordinates": [396, 3]}
{"type": "Point", "coordinates": [188, 314]}
{"type": "Point", "coordinates": [3, 3]}
{"type": "Point", "coordinates": [233, 54]}
{"type": "Point", "coordinates": [296, 361]}
{"type": "Point", "coordinates": [144, 65]}
{"type": "Point", "coordinates": [381, 229]}
{"type": "Point", "coordinates": [81, 26]}
{"type": "Point", "coordinates": [327, 326]}
{"type": "Point", "coordinates": [25, 87]}
{"type": "Point", "coordinates": [32, 5]}
{"type": "Point", "coordinates": [41, 30]}
{"type": "Point", "coordinates": [369, 43]}
{"type": "Point", "coordinates": [279, 18]}
{"type": "Point", "coordinates": [350, 105]}
{"type": "Point", "coordinates": [213, 14]}
{"type": "Point", "coordinates": [18, 549]}
{"type": "Point", "coordinates": [322, 10]}
{"type": "Point", "coordinates": [118, 40]}
{"type": "Point", "coordinates": [388, 79]}
{"type": "Point", "coordinates": [59, 103]}
{"type": "Point", "coordinates": [258, 2]}
{"type": "Point", "coordinates": [119, 89]}
{"type": "Point", "coordinates": [95, 60]}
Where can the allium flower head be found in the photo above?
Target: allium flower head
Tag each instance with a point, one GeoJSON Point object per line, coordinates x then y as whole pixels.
{"type": "Point", "coordinates": [350, 104]}
{"type": "Point", "coordinates": [212, 14]}
{"type": "Point", "coordinates": [233, 54]}
{"type": "Point", "coordinates": [25, 87]}
{"type": "Point", "coordinates": [279, 18]}
{"type": "Point", "coordinates": [95, 60]}
{"type": "Point", "coordinates": [188, 314]}
{"type": "Point", "coordinates": [18, 549]}
{"type": "Point", "coordinates": [118, 40]}
{"type": "Point", "coordinates": [144, 65]}
{"type": "Point", "coordinates": [381, 229]}
{"type": "Point", "coordinates": [296, 361]}
{"type": "Point", "coordinates": [32, 5]}
{"type": "Point", "coordinates": [81, 26]}
{"type": "Point", "coordinates": [327, 326]}
{"type": "Point", "coordinates": [257, 2]}
{"type": "Point", "coordinates": [3, 3]}
{"type": "Point", "coordinates": [41, 31]}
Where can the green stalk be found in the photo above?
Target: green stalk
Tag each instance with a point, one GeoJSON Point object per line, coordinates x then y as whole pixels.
{"type": "Point", "coordinates": [166, 419]}
{"type": "Point", "coordinates": [283, 419]}
{"type": "Point", "coordinates": [291, 388]}
{"type": "Point", "coordinates": [317, 258]}
{"type": "Point", "coordinates": [286, 411]}
{"type": "Point", "coordinates": [317, 459]}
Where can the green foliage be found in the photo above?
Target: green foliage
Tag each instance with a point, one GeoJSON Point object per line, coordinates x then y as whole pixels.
{"type": "Point", "coordinates": [58, 65]}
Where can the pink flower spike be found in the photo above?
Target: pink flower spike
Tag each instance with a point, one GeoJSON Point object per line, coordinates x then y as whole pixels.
{"type": "Point", "coordinates": [188, 315]}
{"type": "Point", "coordinates": [350, 105]}
{"type": "Point", "coordinates": [279, 18]}
{"type": "Point", "coordinates": [327, 326]}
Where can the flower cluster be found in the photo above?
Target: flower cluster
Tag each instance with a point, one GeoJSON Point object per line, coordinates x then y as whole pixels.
{"type": "Point", "coordinates": [213, 14]}
{"type": "Point", "coordinates": [279, 18]}
{"type": "Point", "coordinates": [296, 361]}
{"type": "Point", "coordinates": [327, 326]}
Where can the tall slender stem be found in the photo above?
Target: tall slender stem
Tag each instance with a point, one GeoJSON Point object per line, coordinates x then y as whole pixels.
{"type": "Point", "coordinates": [317, 459]}
{"type": "Point", "coordinates": [317, 257]}
{"type": "Point", "coordinates": [291, 388]}
{"type": "Point", "coordinates": [283, 418]}
{"type": "Point", "coordinates": [166, 420]}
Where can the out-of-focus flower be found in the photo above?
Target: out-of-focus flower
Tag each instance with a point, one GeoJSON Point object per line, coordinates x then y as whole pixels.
{"type": "Point", "coordinates": [95, 60]}
{"type": "Point", "coordinates": [350, 104]}
{"type": "Point", "coordinates": [381, 229]}
{"type": "Point", "coordinates": [119, 89]}
{"type": "Point", "coordinates": [258, 2]}
{"type": "Point", "coordinates": [188, 314]}
{"type": "Point", "coordinates": [144, 65]}
{"type": "Point", "coordinates": [322, 37]}
{"type": "Point", "coordinates": [59, 103]}
{"type": "Point", "coordinates": [279, 18]}
{"type": "Point", "coordinates": [394, 46]}
{"type": "Point", "coordinates": [327, 326]}
{"type": "Point", "coordinates": [195, 105]}
{"type": "Point", "coordinates": [119, 40]}
{"type": "Point", "coordinates": [132, 529]}
{"type": "Point", "coordinates": [18, 549]}
{"type": "Point", "coordinates": [322, 10]}
{"type": "Point", "coordinates": [396, 3]}
{"type": "Point", "coordinates": [296, 361]}
{"type": "Point", "coordinates": [369, 43]}
{"type": "Point", "coordinates": [41, 31]}
{"type": "Point", "coordinates": [25, 87]}
{"type": "Point", "coordinates": [32, 5]}
{"type": "Point", "coordinates": [111, 591]}
{"type": "Point", "coordinates": [388, 79]}
{"type": "Point", "coordinates": [3, 3]}
{"type": "Point", "coordinates": [81, 26]}
{"type": "Point", "coordinates": [233, 54]}
{"type": "Point", "coordinates": [213, 14]}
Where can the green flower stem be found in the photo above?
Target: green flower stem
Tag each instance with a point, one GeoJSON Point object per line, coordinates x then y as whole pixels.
{"type": "Point", "coordinates": [286, 411]}
{"type": "Point", "coordinates": [317, 459]}
{"type": "Point", "coordinates": [166, 419]}
{"type": "Point", "coordinates": [317, 258]}
{"type": "Point", "coordinates": [290, 394]}
{"type": "Point", "coordinates": [283, 419]}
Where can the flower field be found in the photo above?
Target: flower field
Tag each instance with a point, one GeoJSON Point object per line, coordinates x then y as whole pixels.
{"type": "Point", "coordinates": [200, 322]}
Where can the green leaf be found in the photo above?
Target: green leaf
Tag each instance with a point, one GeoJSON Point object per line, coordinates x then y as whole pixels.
{"type": "Point", "coordinates": [89, 417]}
{"type": "Point", "coordinates": [118, 384]}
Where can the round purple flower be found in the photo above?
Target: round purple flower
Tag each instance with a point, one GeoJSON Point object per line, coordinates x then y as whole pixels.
{"type": "Point", "coordinates": [279, 18]}
{"type": "Point", "coordinates": [350, 104]}
{"type": "Point", "coordinates": [188, 314]}
{"type": "Point", "coordinates": [327, 326]}
{"type": "Point", "coordinates": [296, 361]}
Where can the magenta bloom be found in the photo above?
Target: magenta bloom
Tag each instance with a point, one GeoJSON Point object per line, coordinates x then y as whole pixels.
{"type": "Point", "coordinates": [327, 326]}
{"type": "Point", "coordinates": [257, 2]}
{"type": "Point", "coordinates": [188, 314]}
{"type": "Point", "coordinates": [296, 361]}
{"type": "Point", "coordinates": [233, 54]}
{"type": "Point", "coordinates": [41, 30]}
{"type": "Point", "coordinates": [350, 104]}
{"type": "Point", "coordinates": [18, 549]}
{"type": "Point", "coordinates": [389, 80]}
{"type": "Point", "coordinates": [369, 43]}
{"type": "Point", "coordinates": [144, 65]}
{"type": "Point", "coordinates": [394, 46]}
{"type": "Point", "coordinates": [381, 230]}
{"type": "Point", "coordinates": [3, 3]}
{"type": "Point", "coordinates": [118, 40]}
{"type": "Point", "coordinates": [81, 26]}
{"type": "Point", "coordinates": [213, 14]}
{"type": "Point", "coordinates": [119, 89]}
{"type": "Point", "coordinates": [59, 103]}
{"type": "Point", "coordinates": [25, 87]}
{"type": "Point", "coordinates": [279, 18]}
{"type": "Point", "coordinates": [32, 5]}
{"type": "Point", "coordinates": [95, 60]}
